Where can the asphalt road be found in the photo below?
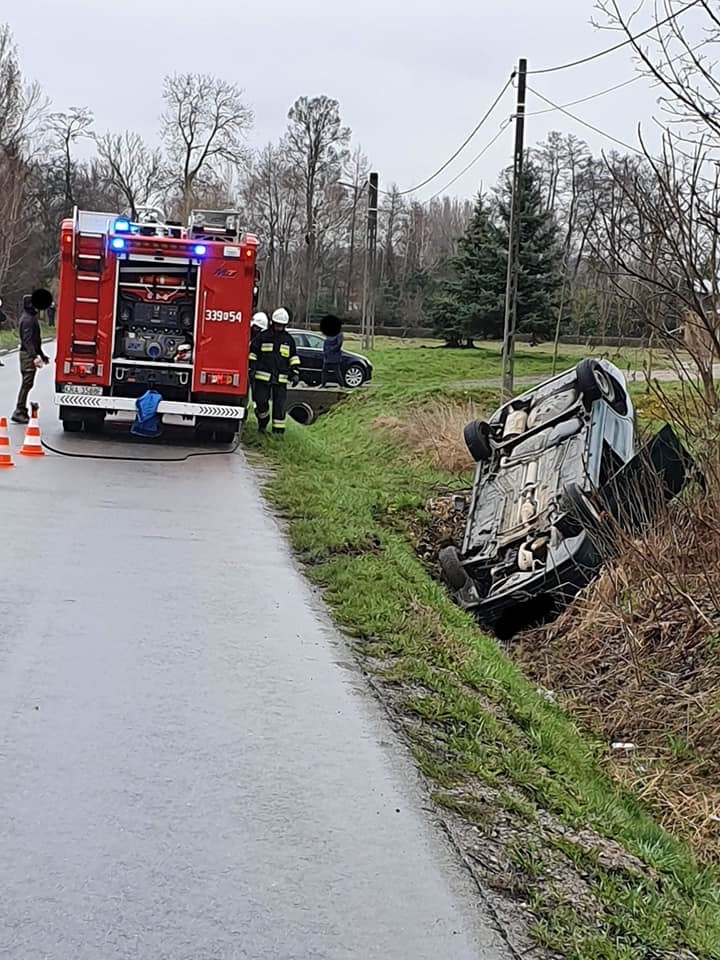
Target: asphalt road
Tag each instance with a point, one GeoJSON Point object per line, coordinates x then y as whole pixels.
{"type": "Point", "coordinates": [190, 766]}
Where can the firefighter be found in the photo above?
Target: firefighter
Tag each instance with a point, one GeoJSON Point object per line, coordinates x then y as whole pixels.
{"type": "Point", "coordinates": [31, 351]}
{"type": "Point", "coordinates": [274, 363]}
{"type": "Point", "coordinates": [258, 324]}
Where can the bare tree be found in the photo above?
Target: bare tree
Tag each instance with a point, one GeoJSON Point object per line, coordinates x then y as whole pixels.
{"type": "Point", "coordinates": [22, 108]}
{"type": "Point", "coordinates": [316, 141]}
{"type": "Point", "coordinates": [136, 171]}
{"type": "Point", "coordinates": [678, 203]}
{"type": "Point", "coordinates": [271, 197]}
{"type": "Point", "coordinates": [22, 104]}
{"type": "Point", "coordinates": [204, 125]}
{"type": "Point", "coordinates": [356, 171]}
{"type": "Point", "coordinates": [65, 130]}
{"type": "Point", "coordinates": [678, 57]}
{"type": "Point", "coordinates": [663, 255]}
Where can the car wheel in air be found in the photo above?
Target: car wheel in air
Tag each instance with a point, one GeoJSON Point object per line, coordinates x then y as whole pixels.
{"type": "Point", "coordinates": [354, 376]}
{"type": "Point", "coordinates": [452, 570]}
{"type": "Point", "coordinates": [477, 440]}
{"type": "Point", "coordinates": [594, 383]}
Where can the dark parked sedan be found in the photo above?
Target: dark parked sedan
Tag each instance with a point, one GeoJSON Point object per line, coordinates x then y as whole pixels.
{"type": "Point", "coordinates": [355, 368]}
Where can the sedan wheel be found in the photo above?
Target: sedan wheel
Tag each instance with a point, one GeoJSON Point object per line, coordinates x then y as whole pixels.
{"type": "Point", "coordinates": [354, 376]}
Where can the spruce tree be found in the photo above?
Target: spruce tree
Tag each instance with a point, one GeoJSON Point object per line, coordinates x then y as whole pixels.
{"type": "Point", "coordinates": [467, 301]}
{"type": "Point", "coordinates": [540, 277]}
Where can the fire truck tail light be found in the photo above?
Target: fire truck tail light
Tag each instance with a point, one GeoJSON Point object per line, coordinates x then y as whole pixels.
{"type": "Point", "coordinates": [220, 379]}
{"type": "Point", "coordinates": [249, 252]}
{"type": "Point", "coordinates": [72, 368]}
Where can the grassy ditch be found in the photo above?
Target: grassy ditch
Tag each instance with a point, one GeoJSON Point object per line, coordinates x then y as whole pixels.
{"type": "Point", "coordinates": [637, 656]}
{"type": "Point", "coordinates": [557, 843]}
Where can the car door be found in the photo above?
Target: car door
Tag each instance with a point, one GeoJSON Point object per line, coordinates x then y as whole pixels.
{"type": "Point", "coordinates": [299, 339]}
{"type": "Point", "coordinates": [313, 354]}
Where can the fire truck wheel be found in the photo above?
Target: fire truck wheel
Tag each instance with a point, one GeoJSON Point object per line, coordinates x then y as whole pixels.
{"type": "Point", "coordinates": [72, 426]}
{"type": "Point", "coordinates": [225, 436]}
{"type": "Point", "coordinates": [94, 424]}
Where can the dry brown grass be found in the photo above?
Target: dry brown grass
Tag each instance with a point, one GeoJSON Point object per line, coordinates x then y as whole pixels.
{"type": "Point", "coordinates": [637, 658]}
{"type": "Point", "coordinates": [433, 432]}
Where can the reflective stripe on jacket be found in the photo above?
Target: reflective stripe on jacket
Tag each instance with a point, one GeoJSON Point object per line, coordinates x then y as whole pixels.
{"type": "Point", "coordinates": [273, 356]}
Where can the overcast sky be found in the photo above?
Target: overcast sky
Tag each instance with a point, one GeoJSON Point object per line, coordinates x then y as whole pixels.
{"type": "Point", "coordinates": [412, 76]}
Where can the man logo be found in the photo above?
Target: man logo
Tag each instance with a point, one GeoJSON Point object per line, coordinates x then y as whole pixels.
{"type": "Point", "coordinates": [226, 272]}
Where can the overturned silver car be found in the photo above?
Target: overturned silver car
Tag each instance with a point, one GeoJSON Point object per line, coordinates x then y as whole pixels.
{"type": "Point", "coordinates": [559, 474]}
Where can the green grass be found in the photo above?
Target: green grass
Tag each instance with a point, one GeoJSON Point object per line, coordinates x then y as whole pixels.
{"type": "Point", "coordinates": [465, 364]}
{"type": "Point", "coordinates": [470, 714]}
{"type": "Point", "coordinates": [9, 338]}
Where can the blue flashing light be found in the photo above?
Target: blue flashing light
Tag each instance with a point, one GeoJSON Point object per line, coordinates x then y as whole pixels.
{"type": "Point", "coordinates": [117, 243]}
{"type": "Point", "coordinates": [122, 226]}
{"type": "Point", "coordinates": [199, 249]}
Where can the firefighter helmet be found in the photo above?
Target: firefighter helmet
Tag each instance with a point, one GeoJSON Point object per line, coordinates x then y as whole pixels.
{"type": "Point", "coordinates": [281, 316]}
{"type": "Point", "coordinates": [260, 320]}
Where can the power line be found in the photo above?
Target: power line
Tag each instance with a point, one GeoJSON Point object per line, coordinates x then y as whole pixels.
{"type": "Point", "coordinates": [618, 46]}
{"type": "Point", "coordinates": [466, 141]}
{"type": "Point", "coordinates": [503, 127]}
{"type": "Point", "coordinates": [617, 86]}
{"type": "Point", "coordinates": [584, 123]}
{"type": "Point", "coordinates": [593, 96]}
{"type": "Point", "coordinates": [603, 133]}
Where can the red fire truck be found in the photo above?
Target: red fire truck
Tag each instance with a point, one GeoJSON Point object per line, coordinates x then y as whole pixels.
{"type": "Point", "coordinates": [150, 304]}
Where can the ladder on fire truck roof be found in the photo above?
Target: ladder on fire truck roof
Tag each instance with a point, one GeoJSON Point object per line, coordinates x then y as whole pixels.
{"type": "Point", "coordinates": [89, 250]}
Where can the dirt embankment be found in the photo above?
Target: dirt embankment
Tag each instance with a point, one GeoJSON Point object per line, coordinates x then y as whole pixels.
{"type": "Point", "coordinates": [636, 659]}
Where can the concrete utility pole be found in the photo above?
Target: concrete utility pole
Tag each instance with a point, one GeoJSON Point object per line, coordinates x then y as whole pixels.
{"type": "Point", "coordinates": [511, 285]}
{"type": "Point", "coordinates": [367, 323]}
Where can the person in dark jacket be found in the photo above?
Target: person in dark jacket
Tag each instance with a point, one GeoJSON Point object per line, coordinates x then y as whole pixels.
{"type": "Point", "coordinates": [32, 356]}
{"type": "Point", "coordinates": [332, 349]}
{"type": "Point", "coordinates": [274, 363]}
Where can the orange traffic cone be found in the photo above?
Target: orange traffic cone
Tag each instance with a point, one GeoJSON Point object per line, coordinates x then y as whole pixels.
{"type": "Point", "coordinates": [32, 447]}
{"type": "Point", "coordinates": [5, 459]}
